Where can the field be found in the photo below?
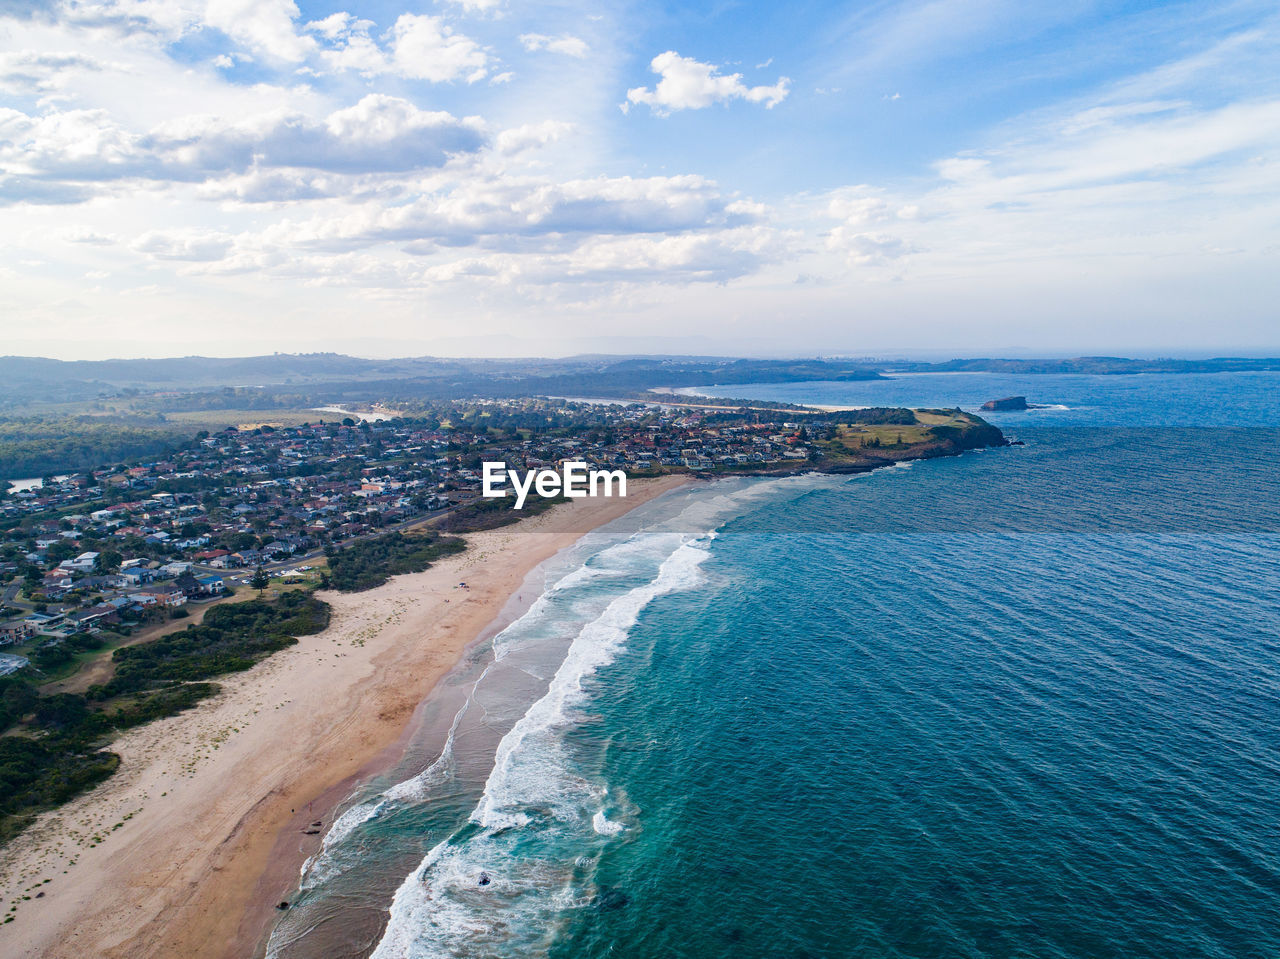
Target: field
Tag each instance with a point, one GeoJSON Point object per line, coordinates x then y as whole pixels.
{"type": "Point", "coordinates": [930, 426]}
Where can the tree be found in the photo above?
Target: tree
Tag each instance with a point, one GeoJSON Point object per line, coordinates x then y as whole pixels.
{"type": "Point", "coordinates": [108, 561]}
{"type": "Point", "coordinates": [260, 579]}
{"type": "Point", "coordinates": [59, 551]}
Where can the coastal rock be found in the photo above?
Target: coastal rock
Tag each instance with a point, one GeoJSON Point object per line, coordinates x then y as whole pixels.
{"type": "Point", "coordinates": [1008, 403]}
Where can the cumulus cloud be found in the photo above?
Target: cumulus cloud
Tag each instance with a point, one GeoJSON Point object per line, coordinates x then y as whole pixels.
{"type": "Point", "coordinates": [69, 144]}
{"type": "Point", "coordinates": [530, 136]}
{"type": "Point", "coordinates": [687, 84]}
{"type": "Point", "coordinates": [31, 72]}
{"type": "Point", "coordinates": [169, 19]}
{"type": "Point", "coordinates": [878, 248]}
{"type": "Point", "coordinates": [16, 189]}
{"type": "Point", "coordinates": [333, 26]}
{"type": "Point", "coordinates": [192, 246]}
{"type": "Point", "coordinates": [477, 6]}
{"type": "Point", "coordinates": [504, 211]}
{"type": "Point", "coordinates": [716, 256]}
{"type": "Point", "coordinates": [568, 45]}
{"type": "Point", "coordinates": [264, 26]}
{"type": "Point", "coordinates": [87, 235]}
{"type": "Point", "coordinates": [424, 48]}
{"type": "Point", "coordinates": [379, 134]}
{"type": "Point", "coordinates": [273, 186]}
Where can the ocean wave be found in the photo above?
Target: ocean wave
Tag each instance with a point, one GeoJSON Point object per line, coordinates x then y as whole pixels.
{"type": "Point", "coordinates": [605, 826]}
{"type": "Point", "coordinates": [583, 620]}
{"type": "Point", "coordinates": [610, 563]}
{"type": "Point", "coordinates": [532, 796]}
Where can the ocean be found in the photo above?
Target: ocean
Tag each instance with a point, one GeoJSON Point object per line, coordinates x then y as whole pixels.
{"type": "Point", "coordinates": [1023, 702]}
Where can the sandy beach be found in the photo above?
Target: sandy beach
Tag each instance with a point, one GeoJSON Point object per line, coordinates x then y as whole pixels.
{"type": "Point", "coordinates": [186, 850]}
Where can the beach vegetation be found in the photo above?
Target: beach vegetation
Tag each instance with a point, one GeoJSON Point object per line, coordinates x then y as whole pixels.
{"type": "Point", "coordinates": [367, 563]}
{"type": "Point", "coordinates": [56, 745]}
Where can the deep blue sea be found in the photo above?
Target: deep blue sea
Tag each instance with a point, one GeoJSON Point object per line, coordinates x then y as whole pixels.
{"type": "Point", "coordinates": [1018, 703]}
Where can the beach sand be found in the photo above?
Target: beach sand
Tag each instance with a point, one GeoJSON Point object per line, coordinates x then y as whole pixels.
{"type": "Point", "coordinates": [187, 849]}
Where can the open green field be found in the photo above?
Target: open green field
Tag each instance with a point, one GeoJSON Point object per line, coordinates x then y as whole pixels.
{"type": "Point", "coordinates": [930, 427]}
{"type": "Point", "coordinates": [196, 420]}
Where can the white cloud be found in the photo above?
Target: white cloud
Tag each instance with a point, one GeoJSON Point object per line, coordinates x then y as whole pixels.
{"type": "Point", "coordinates": [84, 234]}
{"type": "Point", "coordinates": [687, 84]}
{"type": "Point", "coordinates": [273, 186]}
{"type": "Point", "coordinates": [865, 248]}
{"type": "Point", "coordinates": [193, 246]}
{"type": "Point", "coordinates": [290, 188]}
{"type": "Point", "coordinates": [715, 257]}
{"type": "Point", "coordinates": [68, 144]}
{"type": "Point", "coordinates": [1083, 188]}
{"type": "Point", "coordinates": [264, 26]}
{"type": "Point", "coordinates": [424, 48]}
{"type": "Point", "coordinates": [357, 52]}
{"type": "Point", "coordinates": [507, 210]}
{"type": "Point", "coordinates": [530, 136]}
{"type": "Point", "coordinates": [718, 256]}
{"type": "Point", "coordinates": [169, 19]}
{"type": "Point", "coordinates": [568, 45]}
{"type": "Point", "coordinates": [477, 6]}
{"type": "Point", "coordinates": [29, 71]}
{"type": "Point", "coordinates": [379, 134]}
{"type": "Point", "coordinates": [333, 26]}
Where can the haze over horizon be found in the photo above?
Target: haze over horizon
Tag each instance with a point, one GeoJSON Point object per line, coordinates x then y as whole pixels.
{"type": "Point", "coordinates": [478, 177]}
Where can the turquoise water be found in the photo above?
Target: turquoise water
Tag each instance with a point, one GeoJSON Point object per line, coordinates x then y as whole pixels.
{"type": "Point", "coordinates": [1018, 703]}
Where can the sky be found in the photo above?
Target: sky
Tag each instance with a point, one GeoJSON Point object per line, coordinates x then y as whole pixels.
{"type": "Point", "coordinates": [503, 178]}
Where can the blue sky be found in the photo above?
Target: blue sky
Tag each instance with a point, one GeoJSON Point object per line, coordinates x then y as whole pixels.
{"type": "Point", "coordinates": [498, 177]}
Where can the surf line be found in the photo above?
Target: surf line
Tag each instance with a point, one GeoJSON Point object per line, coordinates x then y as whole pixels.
{"type": "Point", "coordinates": [574, 481]}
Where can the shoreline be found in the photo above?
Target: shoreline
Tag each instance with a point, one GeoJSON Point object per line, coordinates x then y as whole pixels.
{"type": "Point", "coordinates": [200, 831]}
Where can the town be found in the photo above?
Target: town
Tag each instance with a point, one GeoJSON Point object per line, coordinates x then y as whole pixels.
{"type": "Point", "coordinates": [132, 544]}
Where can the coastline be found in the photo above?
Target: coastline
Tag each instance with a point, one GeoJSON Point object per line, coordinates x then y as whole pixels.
{"type": "Point", "coordinates": [200, 831]}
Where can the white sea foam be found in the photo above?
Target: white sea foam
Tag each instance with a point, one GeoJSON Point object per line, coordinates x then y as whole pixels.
{"type": "Point", "coordinates": [509, 787]}
{"type": "Point", "coordinates": [531, 791]}
{"type": "Point", "coordinates": [531, 794]}
{"type": "Point", "coordinates": [323, 865]}
{"type": "Point", "coordinates": [605, 826]}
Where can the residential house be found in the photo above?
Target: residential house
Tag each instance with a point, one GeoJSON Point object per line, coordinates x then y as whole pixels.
{"type": "Point", "coordinates": [162, 595]}
{"type": "Point", "coordinates": [16, 631]}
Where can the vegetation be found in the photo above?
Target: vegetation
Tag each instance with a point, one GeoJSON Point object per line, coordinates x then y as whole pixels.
{"type": "Point", "coordinates": [40, 445]}
{"type": "Point", "coordinates": [862, 439]}
{"type": "Point", "coordinates": [54, 746]}
{"type": "Point", "coordinates": [232, 638]}
{"type": "Point", "coordinates": [367, 563]}
{"type": "Point", "coordinates": [493, 513]}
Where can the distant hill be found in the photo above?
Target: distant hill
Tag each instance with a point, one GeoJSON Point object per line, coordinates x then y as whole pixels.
{"type": "Point", "coordinates": [1089, 364]}
{"type": "Point", "coordinates": [25, 381]}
